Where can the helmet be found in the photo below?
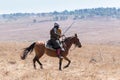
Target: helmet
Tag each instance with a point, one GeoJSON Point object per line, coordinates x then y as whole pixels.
{"type": "Point", "coordinates": [56, 25]}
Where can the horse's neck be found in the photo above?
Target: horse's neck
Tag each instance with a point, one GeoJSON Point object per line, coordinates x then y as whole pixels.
{"type": "Point", "coordinates": [68, 44]}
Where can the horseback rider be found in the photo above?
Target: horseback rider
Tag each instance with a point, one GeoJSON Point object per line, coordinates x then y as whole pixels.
{"type": "Point", "coordinates": [55, 35]}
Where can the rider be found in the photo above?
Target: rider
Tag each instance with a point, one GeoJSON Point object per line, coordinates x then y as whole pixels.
{"type": "Point", "coordinates": [55, 35]}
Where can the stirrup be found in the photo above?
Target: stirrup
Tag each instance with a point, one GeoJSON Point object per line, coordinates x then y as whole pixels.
{"type": "Point", "coordinates": [59, 56]}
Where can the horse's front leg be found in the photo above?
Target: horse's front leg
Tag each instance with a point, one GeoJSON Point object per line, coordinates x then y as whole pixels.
{"type": "Point", "coordinates": [68, 62]}
{"type": "Point", "coordinates": [60, 63]}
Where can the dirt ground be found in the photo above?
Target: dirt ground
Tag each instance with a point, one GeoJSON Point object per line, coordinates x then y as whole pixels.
{"type": "Point", "coordinates": [91, 62]}
{"type": "Point", "coordinates": [98, 59]}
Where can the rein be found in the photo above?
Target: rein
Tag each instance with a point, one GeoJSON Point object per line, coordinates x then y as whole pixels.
{"type": "Point", "coordinates": [63, 42]}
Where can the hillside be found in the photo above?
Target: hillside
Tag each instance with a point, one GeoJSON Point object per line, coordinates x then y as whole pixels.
{"type": "Point", "coordinates": [98, 31]}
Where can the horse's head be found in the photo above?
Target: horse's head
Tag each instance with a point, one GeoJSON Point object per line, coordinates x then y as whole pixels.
{"type": "Point", "coordinates": [76, 41]}
{"type": "Point", "coordinates": [73, 40]}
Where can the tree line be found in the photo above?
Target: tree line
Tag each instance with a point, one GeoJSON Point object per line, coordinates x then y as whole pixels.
{"type": "Point", "coordinates": [75, 14]}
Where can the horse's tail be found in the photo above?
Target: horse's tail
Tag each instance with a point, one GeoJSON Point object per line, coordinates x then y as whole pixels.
{"type": "Point", "coordinates": [27, 50]}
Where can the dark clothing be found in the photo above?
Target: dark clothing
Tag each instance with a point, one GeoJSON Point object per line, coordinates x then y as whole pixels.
{"type": "Point", "coordinates": [54, 43]}
{"type": "Point", "coordinates": [54, 34]}
{"type": "Point", "coordinates": [54, 38]}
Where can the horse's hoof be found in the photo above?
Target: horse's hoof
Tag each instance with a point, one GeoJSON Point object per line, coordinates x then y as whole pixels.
{"type": "Point", "coordinates": [60, 69]}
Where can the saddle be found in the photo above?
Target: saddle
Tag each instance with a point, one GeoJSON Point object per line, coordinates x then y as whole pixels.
{"type": "Point", "coordinates": [49, 45]}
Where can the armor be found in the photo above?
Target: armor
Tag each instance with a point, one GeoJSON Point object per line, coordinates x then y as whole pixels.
{"type": "Point", "coordinates": [55, 34]}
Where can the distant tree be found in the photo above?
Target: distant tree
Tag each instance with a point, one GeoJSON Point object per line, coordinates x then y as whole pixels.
{"type": "Point", "coordinates": [63, 17]}
{"type": "Point", "coordinates": [56, 18]}
{"type": "Point", "coordinates": [42, 14]}
{"type": "Point", "coordinates": [65, 12]}
{"type": "Point", "coordinates": [55, 13]}
{"type": "Point", "coordinates": [71, 12]}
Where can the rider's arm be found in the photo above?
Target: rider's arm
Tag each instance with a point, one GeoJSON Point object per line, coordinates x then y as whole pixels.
{"type": "Point", "coordinates": [55, 31]}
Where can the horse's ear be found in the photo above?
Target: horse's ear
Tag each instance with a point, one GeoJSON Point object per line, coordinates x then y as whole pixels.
{"type": "Point", "coordinates": [75, 35]}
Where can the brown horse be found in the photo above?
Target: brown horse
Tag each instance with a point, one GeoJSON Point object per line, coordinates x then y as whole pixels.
{"type": "Point", "coordinates": [40, 50]}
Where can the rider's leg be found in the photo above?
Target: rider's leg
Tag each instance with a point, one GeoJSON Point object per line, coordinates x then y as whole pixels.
{"type": "Point", "coordinates": [58, 51]}
{"type": "Point", "coordinates": [60, 45]}
{"type": "Point", "coordinates": [62, 48]}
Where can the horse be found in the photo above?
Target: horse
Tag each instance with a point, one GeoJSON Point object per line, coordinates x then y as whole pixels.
{"type": "Point", "coordinates": [40, 49]}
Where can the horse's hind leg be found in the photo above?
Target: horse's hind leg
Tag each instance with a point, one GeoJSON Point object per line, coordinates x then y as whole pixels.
{"type": "Point", "coordinates": [68, 62]}
{"type": "Point", "coordinates": [34, 60]}
{"type": "Point", "coordinates": [40, 64]}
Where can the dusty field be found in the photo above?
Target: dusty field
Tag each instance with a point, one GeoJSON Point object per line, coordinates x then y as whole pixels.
{"type": "Point", "coordinates": [89, 31]}
{"type": "Point", "coordinates": [98, 59]}
{"type": "Point", "coordinates": [91, 62]}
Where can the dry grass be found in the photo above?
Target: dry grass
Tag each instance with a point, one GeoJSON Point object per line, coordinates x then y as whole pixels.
{"type": "Point", "coordinates": [98, 59]}
{"type": "Point", "coordinates": [91, 62]}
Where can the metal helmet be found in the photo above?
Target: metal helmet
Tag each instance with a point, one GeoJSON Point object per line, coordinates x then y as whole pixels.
{"type": "Point", "coordinates": [56, 25]}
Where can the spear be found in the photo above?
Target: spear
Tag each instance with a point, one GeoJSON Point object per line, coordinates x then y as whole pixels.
{"type": "Point", "coordinates": [68, 27]}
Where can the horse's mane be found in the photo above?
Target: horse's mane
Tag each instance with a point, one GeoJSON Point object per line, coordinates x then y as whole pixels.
{"type": "Point", "coordinates": [67, 38]}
